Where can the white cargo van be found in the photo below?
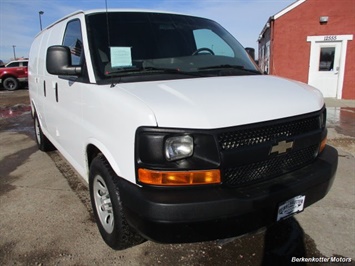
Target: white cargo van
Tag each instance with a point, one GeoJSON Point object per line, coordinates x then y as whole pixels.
{"type": "Point", "coordinates": [178, 134]}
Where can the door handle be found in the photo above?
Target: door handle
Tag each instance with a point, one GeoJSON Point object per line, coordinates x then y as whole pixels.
{"type": "Point", "coordinates": [56, 92]}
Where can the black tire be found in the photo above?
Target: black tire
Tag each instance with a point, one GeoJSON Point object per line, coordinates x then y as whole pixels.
{"type": "Point", "coordinates": [42, 142]}
{"type": "Point", "coordinates": [107, 207]}
{"type": "Point", "coordinates": [11, 84]}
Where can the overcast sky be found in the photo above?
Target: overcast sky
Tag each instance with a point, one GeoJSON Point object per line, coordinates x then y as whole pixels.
{"type": "Point", "coordinates": [19, 19]}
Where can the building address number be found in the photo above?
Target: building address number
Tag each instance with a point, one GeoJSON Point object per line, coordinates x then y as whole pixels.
{"type": "Point", "coordinates": [330, 38]}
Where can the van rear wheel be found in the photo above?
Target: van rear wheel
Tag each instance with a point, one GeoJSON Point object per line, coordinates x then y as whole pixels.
{"type": "Point", "coordinates": [42, 142]}
{"type": "Point", "coordinates": [107, 206]}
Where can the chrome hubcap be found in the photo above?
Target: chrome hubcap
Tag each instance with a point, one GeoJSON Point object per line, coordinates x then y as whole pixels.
{"type": "Point", "coordinates": [103, 204]}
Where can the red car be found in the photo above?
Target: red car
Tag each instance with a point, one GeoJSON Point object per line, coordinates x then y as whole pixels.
{"type": "Point", "coordinates": [14, 74]}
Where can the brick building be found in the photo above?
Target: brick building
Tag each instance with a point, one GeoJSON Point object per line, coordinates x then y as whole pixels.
{"type": "Point", "coordinates": [312, 41]}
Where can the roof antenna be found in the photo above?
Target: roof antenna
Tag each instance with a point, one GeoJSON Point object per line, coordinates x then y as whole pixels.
{"type": "Point", "coordinates": [107, 25]}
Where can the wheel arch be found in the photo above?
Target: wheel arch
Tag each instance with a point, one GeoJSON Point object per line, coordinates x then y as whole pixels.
{"type": "Point", "coordinates": [95, 148]}
{"type": "Point", "coordinates": [91, 152]}
{"type": "Point", "coordinates": [33, 108]}
{"type": "Point", "coordinates": [8, 75]}
{"type": "Point", "coordinates": [35, 112]}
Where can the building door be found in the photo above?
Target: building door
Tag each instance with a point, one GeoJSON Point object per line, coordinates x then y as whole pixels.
{"type": "Point", "coordinates": [327, 63]}
{"type": "Point", "coordinates": [325, 67]}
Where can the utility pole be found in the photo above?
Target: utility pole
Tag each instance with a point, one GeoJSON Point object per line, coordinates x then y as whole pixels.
{"type": "Point", "coordinates": [13, 48]}
{"type": "Point", "coordinates": [40, 13]}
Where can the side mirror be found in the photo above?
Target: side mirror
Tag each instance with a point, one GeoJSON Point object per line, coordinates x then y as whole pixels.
{"type": "Point", "coordinates": [58, 61]}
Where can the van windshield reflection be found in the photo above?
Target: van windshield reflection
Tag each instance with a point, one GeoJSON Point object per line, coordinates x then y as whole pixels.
{"type": "Point", "coordinates": [141, 43]}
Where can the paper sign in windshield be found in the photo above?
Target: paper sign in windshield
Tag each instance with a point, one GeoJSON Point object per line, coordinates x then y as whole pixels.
{"type": "Point", "coordinates": [121, 56]}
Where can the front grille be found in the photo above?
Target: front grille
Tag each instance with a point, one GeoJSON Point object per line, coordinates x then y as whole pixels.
{"type": "Point", "coordinates": [262, 170]}
{"type": "Point", "coordinates": [256, 135]}
{"type": "Point", "coordinates": [246, 149]}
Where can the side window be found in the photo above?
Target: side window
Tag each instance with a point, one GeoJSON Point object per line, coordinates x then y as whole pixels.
{"type": "Point", "coordinates": [13, 64]}
{"type": "Point", "coordinates": [206, 38]}
{"type": "Point", "coordinates": [25, 64]}
{"type": "Point", "coordinates": [73, 39]}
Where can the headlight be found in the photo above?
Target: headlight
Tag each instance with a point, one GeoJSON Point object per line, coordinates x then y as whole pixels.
{"type": "Point", "coordinates": [176, 157]}
{"type": "Point", "coordinates": [178, 147]}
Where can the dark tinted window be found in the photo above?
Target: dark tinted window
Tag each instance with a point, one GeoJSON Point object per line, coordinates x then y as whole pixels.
{"type": "Point", "coordinates": [14, 64]}
{"type": "Point", "coordinates": [326, 59]}
{"type": "Point", "coordinates": [73, 39]}
{"type": "Point", "coordinates": [139, 40]}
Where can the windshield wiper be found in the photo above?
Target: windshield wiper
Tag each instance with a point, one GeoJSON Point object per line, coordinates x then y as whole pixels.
{"type": "Point", "coordinates": [134, 71]}
{"type": "Point", "coordinates": [123, 70]}
{"type": "Point", "coordinates": [148, 70]}
{"type": "Point", "coordinates": [227, 66]}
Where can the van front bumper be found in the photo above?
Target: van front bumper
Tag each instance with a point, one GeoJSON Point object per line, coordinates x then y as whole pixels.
{"type": "Point", "coordinates": [209, 213]}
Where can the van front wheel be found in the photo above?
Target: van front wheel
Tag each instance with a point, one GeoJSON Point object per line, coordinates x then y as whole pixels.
{"type": "Point", "coordinates": [107, 206]}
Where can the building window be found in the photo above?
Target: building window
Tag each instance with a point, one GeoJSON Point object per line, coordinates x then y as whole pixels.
{"type": "Point", "coordinates": [326, 59]}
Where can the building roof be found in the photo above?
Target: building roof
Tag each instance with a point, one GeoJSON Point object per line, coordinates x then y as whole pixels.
{"type": "Point", "coordinates": [287, 9]}
{"type": "Point", "coordinates": [279, 14]}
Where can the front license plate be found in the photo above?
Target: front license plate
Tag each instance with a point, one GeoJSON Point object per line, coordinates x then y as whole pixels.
{"type": "Point", "coordinates": [290, 207]}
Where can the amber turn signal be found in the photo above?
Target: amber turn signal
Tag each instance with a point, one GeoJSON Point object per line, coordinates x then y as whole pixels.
{"type": "Point", "coordinates": [322, 144]}
{"type": "Point", "coordinates": [179, 178]}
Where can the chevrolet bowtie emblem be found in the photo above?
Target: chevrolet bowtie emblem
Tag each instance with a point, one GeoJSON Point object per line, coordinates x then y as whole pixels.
{"type": "Point", "coordinates": [282, 147]}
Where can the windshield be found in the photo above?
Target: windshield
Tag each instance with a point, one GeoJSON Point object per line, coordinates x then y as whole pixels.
{"type": "Point", "coordinates": [162, 46]}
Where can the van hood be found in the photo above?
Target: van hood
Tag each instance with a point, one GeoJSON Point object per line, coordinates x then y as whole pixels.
{"type": "Point", "coordinates": [225, 101]}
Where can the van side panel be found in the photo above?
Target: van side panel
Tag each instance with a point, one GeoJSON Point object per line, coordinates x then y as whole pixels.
{"type": "Point", "coordinates": [33, 76]}
{"type": "Point", "coordinates": [63, 108]}
{"type": "Point", "coordinates": [39, 88]}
